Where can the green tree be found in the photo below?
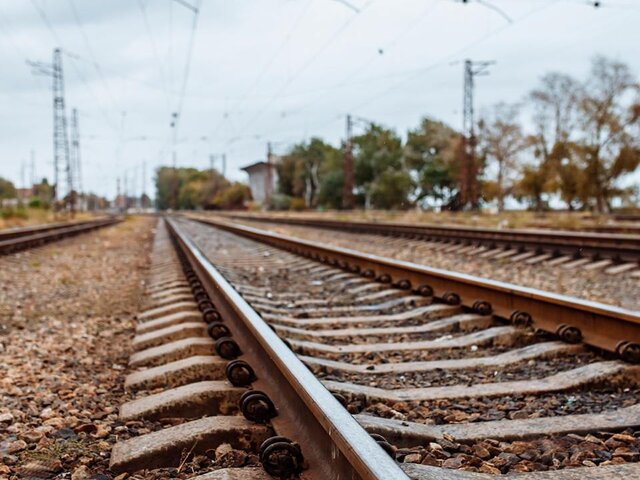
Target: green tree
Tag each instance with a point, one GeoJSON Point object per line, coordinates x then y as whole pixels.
{"type": "Point", "coordinates": [330, 194]}
{"type": "Point", "coordinates": [7, 189]}
{"type": "Point", "coordinates": [375, 151]}
{"type": "Point", "coordinates": [430, 156]}
{"type": "Point", "coordinates": [304, 169]}
{"type": "Point", "coordinates": [391, 189]}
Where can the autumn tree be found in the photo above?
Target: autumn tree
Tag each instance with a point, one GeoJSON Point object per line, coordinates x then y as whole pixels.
{"type": "Point", "coordinates": [195, 189]}
{"type": "Point", "coordinates": [608, 147]}
{"type": "Point", "coordinates": [552, 166]}
{"type": "Point", "coordinates": [501, 141]}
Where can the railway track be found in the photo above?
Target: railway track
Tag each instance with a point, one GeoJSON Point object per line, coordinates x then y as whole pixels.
{"type": "Point", "coordinates": [433, 374]}
{"type": "Point", "coordinates": [16, 239]}
{"type": "Point", "coordinates": [614, 251]}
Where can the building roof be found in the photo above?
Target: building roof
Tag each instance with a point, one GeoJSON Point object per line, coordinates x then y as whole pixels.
{"type": "Point", "coordinates": [253, 166]}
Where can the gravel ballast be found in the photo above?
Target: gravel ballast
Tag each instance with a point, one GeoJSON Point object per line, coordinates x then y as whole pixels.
{"type": "Point", "coordinates": [620, 290]}
{"type": "Point", "coordinates": [66, 313]}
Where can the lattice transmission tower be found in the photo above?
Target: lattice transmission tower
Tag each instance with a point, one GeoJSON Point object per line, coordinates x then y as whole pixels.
{"type": "Point", "coordinates": [60, 135]}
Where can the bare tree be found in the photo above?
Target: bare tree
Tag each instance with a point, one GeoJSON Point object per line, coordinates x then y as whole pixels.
{"type": "Point", "coordinates": [555, 104]}
{"type": "Point", "coordinates": [555, 116]}
{"type": "Point", "coordinates": [501, 140]}
{"type": "Point", "coordinates": [609, 114]}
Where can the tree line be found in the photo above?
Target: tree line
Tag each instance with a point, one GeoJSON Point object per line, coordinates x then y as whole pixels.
{"type": "Point", "coordinates": [578, 140]}
{"type": "Point", "coordinates": [40, 196]}
{"type": "Point", "coordinates": [190, 188]}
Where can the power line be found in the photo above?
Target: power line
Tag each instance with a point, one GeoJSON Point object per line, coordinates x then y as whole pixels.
{"type": "Point", "coordinates": [405, 31]}
{"type": "Point", "coordinates": [187, 67]}
{"type": "Point", "coordinates": [154, 47]}
{"type": "Point", "coordinates": [85, 38]}
{"type": "Point", "coordinates": [447, 58]}
{"type": "Point", "coordinates": [307, 64]}
{"type": "Point", "coordinates": [270, 62]}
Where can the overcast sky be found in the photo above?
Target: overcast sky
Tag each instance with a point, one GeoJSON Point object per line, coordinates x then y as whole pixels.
{"type": "Point", "coordinates": [273, 70]}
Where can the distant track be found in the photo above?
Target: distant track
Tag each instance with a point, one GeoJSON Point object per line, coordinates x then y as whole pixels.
{"type": "Point", "coordinates": [621, 248]}
{"type": "Point", "coordinates": [606, 327]}
{"type": "Point", "coordinates": [16, 239]}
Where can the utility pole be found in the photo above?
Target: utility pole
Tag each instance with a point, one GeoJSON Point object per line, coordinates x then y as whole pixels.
{"type": "Point", "coordinates": [126, 191]}
{"type": "Point", "coordinates": [268, 186]}
{"type": "Point", "coordinates": [118, 198]}
{"type": "Point", "coordinates": [23, 180]}
{"type": "Point", "coordinates": [143, 196]}
{"type": "Point", "coordinates": [469, 185]}
{"type": "Point", "coordinates": [211, 160]}
{"type": "Point", "coordinates": [224, 164]}
{"type": "Point", "coordinates": [134, 187]}
{"type": "Point", "coordinates": [75, 150]}
{"type": "Point", "coordinates": [33, 166]}
{"type": "Point", "coordinates": [348, 174]}
{"type": "Point", "coordinates": [174, 176]}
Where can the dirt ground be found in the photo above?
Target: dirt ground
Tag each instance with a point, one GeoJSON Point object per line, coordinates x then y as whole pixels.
{"type": "Point", "coordinates": [66, 319]}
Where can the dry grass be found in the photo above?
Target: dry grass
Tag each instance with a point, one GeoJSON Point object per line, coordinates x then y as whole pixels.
{"type": "Point", "coordinates": [512, 219]}
{"type": "Point", "coordinates": [38, 216]}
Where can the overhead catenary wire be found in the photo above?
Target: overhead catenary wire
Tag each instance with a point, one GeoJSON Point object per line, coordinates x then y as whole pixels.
{"type": "Point", "coordinates": [190, 48]}
{"type": "Point", "coordinates": [270, 62]}
{"type": "Point", "coordinates": [308, 63]}
{"type": "Point", "coordinates": [87, 44]}
{"type": "Point", "coordinates": [404, 32]}
{"type": "Point", "coordinates": [154, 48]}
{"type": "Point", "coordinates": [440, 63]}
{"type": "Point", "coordinates": [451, 56]}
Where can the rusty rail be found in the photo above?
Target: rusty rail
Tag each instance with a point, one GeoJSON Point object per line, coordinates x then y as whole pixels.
{"type": "Point", "coordinates": [14, 240]}
{"type": "Point", "coordinates": [618, 247]}
{"type": "Point", "coordinates": [337, 447]}
{"type": "Point", "coordinates": [575, 320]}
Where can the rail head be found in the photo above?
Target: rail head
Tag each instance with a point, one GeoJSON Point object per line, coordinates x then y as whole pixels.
{"type": "Point", "coordinates": [308, 412]}
{"type": "Point", "coordinates": [603, 326]}
{"type": "Point", "coordinates": [26, 238]}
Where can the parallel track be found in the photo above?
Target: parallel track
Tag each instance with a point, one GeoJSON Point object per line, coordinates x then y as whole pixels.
{"type": "Point", "coordinates": [597, 246]}
{"type": "Point", "coordinates": [14, 240]}
{"type": "Point", "coordinates": [610, 328]}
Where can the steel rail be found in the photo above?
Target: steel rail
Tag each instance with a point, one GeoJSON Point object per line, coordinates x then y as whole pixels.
{"type": "Point", "coordinates": [607, 327]}
{"type": "Point", "coordinates": [333, 443]}
{"type": "Point", "coordinates": [619, 247]}
{"type": "Point", "coordinates": [20, 239]}
{"type": "Point", "coordinates": [9, 233]}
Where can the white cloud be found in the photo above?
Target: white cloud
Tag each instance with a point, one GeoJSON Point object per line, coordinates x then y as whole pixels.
{"type": "Point", "coordinates": [279, 70]}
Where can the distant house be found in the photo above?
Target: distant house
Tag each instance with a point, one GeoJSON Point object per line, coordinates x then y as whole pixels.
{"type": "Point", "coordinates": [24, 194]}
{"type": "Point", "coordinates": [262, 181]}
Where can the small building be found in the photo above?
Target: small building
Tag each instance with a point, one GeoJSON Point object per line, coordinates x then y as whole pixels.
{"type": "Point", "coordinates": [24, 194]}
{"type": "Point", "coordinates": [262, 181]}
